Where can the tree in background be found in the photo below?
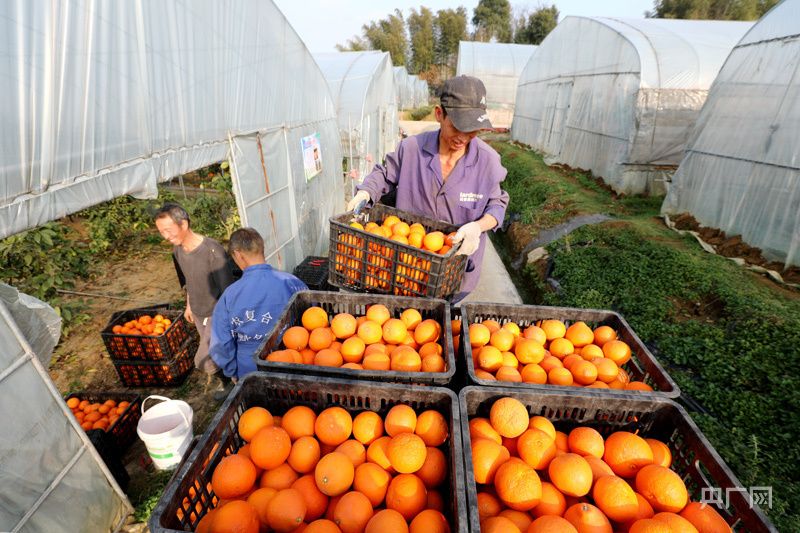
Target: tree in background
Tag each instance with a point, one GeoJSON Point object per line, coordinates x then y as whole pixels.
{"type": "Point", "coordinates": [711, 9]}
{"type": "Point", "coordinates": [420, 27]}
{"type": "Point", "coordinates": [356, 44]}
{"type": "Point", "coordinates": [389, 35]}
{"type": "Point", "coordinates": [492, 20]}
{"type": "Point", "coordinates": [537, 26]}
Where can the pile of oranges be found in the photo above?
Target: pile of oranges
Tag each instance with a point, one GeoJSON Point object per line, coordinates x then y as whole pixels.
{"type": "Point", "coordinates": [412, 272]}
{"type": "Point", "coordinates": [375, 341]}
{"type": "Point", "coordinates": [144, 325]}
{"type": "Point", "coordinates": [95, 415]}
{"type": "Point", "coordinates": [532, 478]}
{"type": "Point", "coordinates": [551, 353]}
{"type": "Point", "coordinates": [329, 472]}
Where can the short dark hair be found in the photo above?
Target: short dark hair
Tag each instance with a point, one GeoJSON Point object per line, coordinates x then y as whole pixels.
{"type": "Point", "coordinates": [246, 240]}
{"type": "Point", "coordinates": [174, 211]}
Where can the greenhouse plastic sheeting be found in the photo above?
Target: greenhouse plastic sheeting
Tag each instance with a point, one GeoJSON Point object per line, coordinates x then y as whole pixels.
{"type": "Point", "coordinates": [405, 88]}
{"type": "Point", "coordinates": [421, 91]}
{"type": "Point", "coordinates": [498, 65]}
{"type": "Point", "coordinates": [39, 323]}
{"type": "Point", "coordinates": [741, 170]}
{"type": "Point", "coordinates": [54, 478]}
{"type": "Point", "coordinates": [103, 99]}
{"type": "Point", "coordinates": [619, 96]}
{"type": "Point", "coordinates": [363, 89]}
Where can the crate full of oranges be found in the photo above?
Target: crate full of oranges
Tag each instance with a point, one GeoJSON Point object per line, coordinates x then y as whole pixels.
{"type": "Point", "coordinates": [558, 348]}
{"type": "Point", "coordinates": [152, 334]}
{"type": "Point", "coordinates": [390, 251]}
{"type": "Point", "coordinates": [287, 452]}
{"type": "Point", "coordinates": [116, 413]}
{"type": "Point", "coordinates": [362, 336]}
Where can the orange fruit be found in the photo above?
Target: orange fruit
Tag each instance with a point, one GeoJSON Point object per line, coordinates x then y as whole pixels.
{"type": "Point", "coordinates": [434, 470]}
{"type": "Point", "coordinates": [615, 498]}
{"type": "Point", "coordinates": [591, 351]}
{"type": "Point", "coordinates": [343, 325]}
{"type": "Point", "coordinates": [333, 426]}
{"type": "Point", "coordinates": [562, 441]}
{"type": "Point", "coordinates": [579, 334]}
{"type": "Point", "coordinates": [432, 428]}
{"type": "Point", "coordinates": [638, 385]}
{"type": "Point", "coordinates": [479, 335]}
{"type": "Point", "coordinates": [492, 324]}
{"type": "Point", "coordinates": [352, 512]}
{"type": "Point", "coordinates": [377, 453]}
{"type": "Point", "coordinates": [433, 241]}
{"type": "Point", "coordinates": [509, 417]}
{"type": "Point", "coordinates": [430, 348]}
{"type": "Point", "coordinates": [304, 455]}
{"type": "Point", "coordinates": [649, 525]}
{"type": "Point", "coordinates": [571, 474]}
{"type": "Point", "coordinates": [407, 495]}
{"type": "Point", "coordinates": [482, 374]}
{"type": "Point", "coordinates": [607, 370]}
{"type": "Point", "coordinates": [518, 485]}
{"type": "Point", "coordinates": [662, 488]}
{"type": "Point", "coordinates": [233, 477]}
{"type": "Point", "coordinates": [603, 334]}
{"type": "Point", "coordinates": [372, 481]}
{"type": "Point", "coordinates": [259, 499]}
{"type": "Point", "coordinates": [387, 521]}
{"type": "Point", "coordinates": [313, 318]}
{"type": "Point", "coordinates": [270, 447]}
{"type": "Point", "coordinates": [327, 357]}
{"type": "Point", "coordinates": [400, 419]}
{"type": "Point", "coordinates": [353, 350]}
{"type": "Point", "coordinates": [394, 331]}
{"type": "Point", "coordinates": [513, 328]}
{"type": "Point", "coordinates": [279, 478]}
{"type": "Point", "coordinates": [553, 329]}
{"type": "Point", "coordinates": [367, 427]}
{"type": "Point", "coordinates": [543, 424]}
{"type": "Point", "coordinates": [535, 333]}
{"type": "Point", "coordinates": [378, 313]}
{"type": "Point", "coordinates": [570, 360]}
{"type": "Point", "coordinates": [406, 360]}
{"type": "Point", "coordinates": [627, 453]}
{"type": "Point", "coordinates": [490, 358]}
{"type": "Point", "coordinates": [320, 526]}
{"type": "Point", "coordinates": [352, 366]}
{"type": "Point", "coordinates": [487, 456]}
{"type": "Point", "coordinates": [617, 351]}
{"type": "Point", "coordinates": [521, 520]}
{"type": "Point", "coordinates": [560, 376]}
{"type": "Point", "coordinates": [551, 524]}
{"type": "Point", "coordinates": [429, 521]}
{"type": "Point", "coordinates": [529, 351]}
{"type": "Point", "coordinates": [252, 420]}
{"type": "Point", "coordinates": [433, 363]}
{"type": "Point", "coordinates": [427, 331]}
{"type": "Point", "coordinates": [406, 453]}
{"type": "Point", "coordinates": [73, 402]}
{"type": "Point", "coordinates": [536, 448]}
{"type": "Point", "coordinates": [370, 332]}
{"type": "Point", "coordinates": [236, 517]}
{"type": "Point", "coordinates": [507, 373]}
{"type": "Point", "coordinates": [550, 362]}
{"type": "Point", "coordinates": [320, 339]}
{"type": "Point", "coordinates": [661, 452]}
{"type": "Point", "coordinates": [598, 466]}
{"type": "Point", "coordinates": [705, 518]}
{"type": "Point", "coordinates": [502, 339]}
{"type": "Point", "coordinates": [415, 239]}
{"type": "Point", "coordinates": [334, 474]}
{"type": "Point", "coordinates": [285, 511]}
{"type": "Point", "coordinates": [296, 338]}
{"type": "Point", "coordinates": [533, 373]}
{"type": "Point", "coordinates": [376, 361]}
{"type": "Point", "coordinates": [411, 318]}
{"type": "Point", "coordinates": [488, 505]}
{"type": "Point", "coordinates": [561, 347]}
{"type": "Point", "coordinates": [676, 522]}
{"type": "Point", "coordinates": [552, 501]}
{"type": "Point", "coordinates": [481, 428]}
{"type": "Point", "coordinates": [586, 441]}
{"type": "Point", "coordinates": [354, 450]}
{"type": "Point", "coordinates": [587, 517]}
{"type": "Point", "coordinates": [498, 524]}
{"type": "Point", "coordinates": [509, 359]}
{"type": "Point", "coordinates": [584, 372]}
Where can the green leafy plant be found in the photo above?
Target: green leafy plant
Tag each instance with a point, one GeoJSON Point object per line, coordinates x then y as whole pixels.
{"type": "Point", "coordinates": [420, 112]}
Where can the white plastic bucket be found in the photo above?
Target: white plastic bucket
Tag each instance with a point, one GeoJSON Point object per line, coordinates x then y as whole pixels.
{"type": "Point", "coordinates": [166, 429]}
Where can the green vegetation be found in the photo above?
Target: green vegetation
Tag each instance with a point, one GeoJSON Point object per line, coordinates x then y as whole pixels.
{"type": "Point", "coordinates": [145, 498]}
{"type": "Point", "coordinates": [420, 113]}
{"type": "Point", "coordinates": [729, 338]}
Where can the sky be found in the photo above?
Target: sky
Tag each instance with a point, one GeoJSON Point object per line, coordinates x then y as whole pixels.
{"type": "Point", "coordinates": [324, 23]}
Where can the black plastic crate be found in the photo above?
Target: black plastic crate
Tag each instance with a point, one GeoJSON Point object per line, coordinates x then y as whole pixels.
{"type": "Point", "coordinates": [122, 347]}
{"type": "Point", "coordinates": [365, 262]}
{"type": "Point", "coordinates": [642, 366]}
{"type": "Point", "coordinates": [165, 373]}
{"type": "Point", "coordinates": [111, 456]}
{"type": "Point", "coordinates": [122, 433]}
{"type": "Point", "coordinates": [187, 498]}
{"type": "Point", "coordinates": [356, 304]}
{"type": "Point", "coordinates": [694, 459]}
{"type": "Point", "coordinates": [313, 271]}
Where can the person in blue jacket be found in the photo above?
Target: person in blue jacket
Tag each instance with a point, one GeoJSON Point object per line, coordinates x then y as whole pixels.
{"type": "Point", "coordinates": [249, 308]}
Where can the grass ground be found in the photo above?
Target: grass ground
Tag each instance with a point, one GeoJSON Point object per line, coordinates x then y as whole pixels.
{"type": "Point", "coordinates": [728, 337]}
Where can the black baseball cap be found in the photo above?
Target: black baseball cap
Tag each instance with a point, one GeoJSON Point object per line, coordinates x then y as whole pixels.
{"type": "Point", "coordinates": [464, 98]}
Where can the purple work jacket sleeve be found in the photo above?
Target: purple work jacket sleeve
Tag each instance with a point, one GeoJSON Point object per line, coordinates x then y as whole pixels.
{"type": "Point", "coordinates": [471, 190]}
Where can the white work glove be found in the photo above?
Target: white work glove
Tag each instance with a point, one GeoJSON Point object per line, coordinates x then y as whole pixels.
{"type": "Point", "coordinates": [358, 202]}
{"type": "Point", "coordinates": [470, 234]}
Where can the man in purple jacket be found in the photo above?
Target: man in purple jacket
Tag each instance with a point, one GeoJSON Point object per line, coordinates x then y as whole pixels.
{"type": "Point", "coordinates": [448, 174]}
